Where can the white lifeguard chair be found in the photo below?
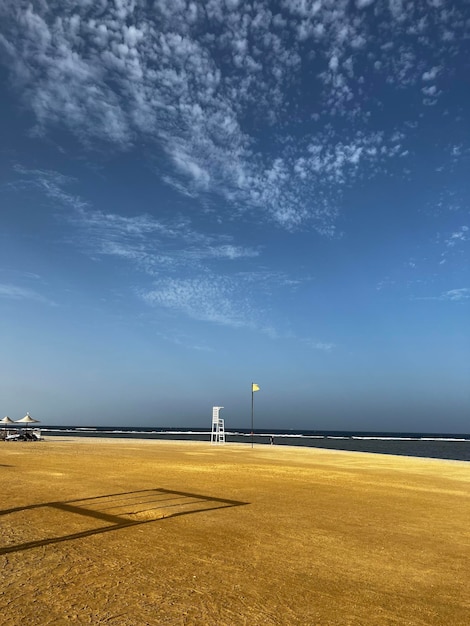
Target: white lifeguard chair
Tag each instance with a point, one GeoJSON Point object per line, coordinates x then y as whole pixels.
{"type": "Point", "coordinates": [218, 426]}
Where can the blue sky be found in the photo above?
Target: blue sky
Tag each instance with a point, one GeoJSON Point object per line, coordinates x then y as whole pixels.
{"type": "Point", "coordinates": [195, 196]}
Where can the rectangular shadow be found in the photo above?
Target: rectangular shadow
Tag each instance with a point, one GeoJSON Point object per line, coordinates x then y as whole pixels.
{"type": "Point", "coordinates": [44, 524]}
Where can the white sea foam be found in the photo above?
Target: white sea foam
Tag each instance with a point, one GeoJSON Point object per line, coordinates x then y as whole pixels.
{"type": "Point", "coordinates": [443, 439]}
{"type": "Point", "coordinates": [370, 438]}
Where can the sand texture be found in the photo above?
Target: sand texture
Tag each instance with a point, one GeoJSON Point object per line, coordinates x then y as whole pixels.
{"type": "Point", "coordinates": [126, 532]}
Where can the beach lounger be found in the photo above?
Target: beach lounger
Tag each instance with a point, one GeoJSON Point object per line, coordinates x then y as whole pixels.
{"type": "Point", "coordinates": [15, 437]}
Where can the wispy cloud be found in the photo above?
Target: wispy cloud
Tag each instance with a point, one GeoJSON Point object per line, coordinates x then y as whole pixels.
{"type": "Point", "coordinates": [454, 244]}
{"type": "Point", "coordinates": [185, 341]}
{"type": "Point", "coordinates": [51, 183]}
{"type": "Point", "coordinates": [458, 236]}
{"type": "Point", "coordinates": [15, 292]}
{"type": "Point", "coordinates": [456, 295]}
{"type": "Point", "coordinates": [147, 241]}
{"type": "Point", "coordinates": [209, 299]}
{"type": "Point", "coordinates": [321, 345]}
{"type": "Point", "coordinates": [215, 299]}
{"type": "Point", "coordinates": [153, 244]}
{"type": "Point", "coordinates": [206, 82]}
{"type": "Point", "coordinates": [315, 344]}
{"type": "Point", "coordinates": [182, 269]}
{"type": "Point", "coordinates": [451, 295]}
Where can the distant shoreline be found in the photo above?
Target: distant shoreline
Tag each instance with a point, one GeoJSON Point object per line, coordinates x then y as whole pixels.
{"type": "Point", "coordinates": [132, 441]}
{"type": "Point", "coordinates": [427, 445]}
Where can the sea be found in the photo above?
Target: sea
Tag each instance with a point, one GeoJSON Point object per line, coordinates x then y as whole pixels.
{"type": "Point", "coordinates": [429, 445]}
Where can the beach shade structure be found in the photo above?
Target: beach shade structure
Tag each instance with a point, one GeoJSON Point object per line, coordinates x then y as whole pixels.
{"type": "Point", "coordinates": [7, 421]}
{"type": "Point", "coordinates": [27, 419]}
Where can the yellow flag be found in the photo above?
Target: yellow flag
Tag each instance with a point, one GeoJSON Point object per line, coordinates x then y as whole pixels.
{"type": "Point", "coordinates": [254, 387]}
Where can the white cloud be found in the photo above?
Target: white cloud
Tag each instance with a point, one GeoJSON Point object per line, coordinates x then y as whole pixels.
{"type": "Point", "coordinates": [185, 341]}
{"type": "Point", "coordinates": [456, 295]}
{"type": "Point", "coordinates": [231, 252]}
{"type": "Point", "coordinates": [124, 73]}
{"type": "Point", "coordinates": [217, 299]}
{"type": "Point", "coordinates": [209, 299]}
{"type": "Point", "coordinates": [52, 184]}
{"type": "Point", "coordinates": [143, 239]}
{"type": "Point", "coordinates": [452, 295]}
{"type": "Point", "coordinates": [460, 235]}
{"type": "Point", "coordinates": [431, 74]}
{"type": "Point", "coordinates": [154, 244]}
{"type": "Point", "coordinates": [453, 245]}
{"type": "Point", "coordinates": [14, 292]}
{"type": "Point", "coordinates": [324, 347]}
{"type": "Point", "coordinates": [201, 268]}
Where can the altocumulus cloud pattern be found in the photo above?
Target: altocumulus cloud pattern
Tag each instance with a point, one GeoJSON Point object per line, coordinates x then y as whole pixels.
{"type": "Point", "coordinates": [220, 89]}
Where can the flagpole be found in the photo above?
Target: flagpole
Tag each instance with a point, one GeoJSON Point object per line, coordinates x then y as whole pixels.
{"type": "Point", "coordinates": [252, 396]}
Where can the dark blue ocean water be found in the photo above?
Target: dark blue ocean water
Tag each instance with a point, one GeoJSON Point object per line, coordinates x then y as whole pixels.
{"type": "Point", "coordinates": [430, 445]}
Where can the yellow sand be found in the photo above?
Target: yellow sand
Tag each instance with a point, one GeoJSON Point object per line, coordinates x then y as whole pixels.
{"type": "Point", "coordinates": [127, 532]}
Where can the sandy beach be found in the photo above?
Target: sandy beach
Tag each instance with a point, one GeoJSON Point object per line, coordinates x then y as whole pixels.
{"type": "Point", "coordinates": [126, 532]}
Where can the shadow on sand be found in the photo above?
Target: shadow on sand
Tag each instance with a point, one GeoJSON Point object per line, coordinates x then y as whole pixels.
{"type": "Point", "coordinates": [112, 512]}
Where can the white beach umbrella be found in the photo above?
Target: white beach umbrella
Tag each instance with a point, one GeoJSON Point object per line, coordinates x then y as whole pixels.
{"type": "Point", "coordinates": [6, 420]}
{"type": "Point", "coordinates": [27, 419]}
